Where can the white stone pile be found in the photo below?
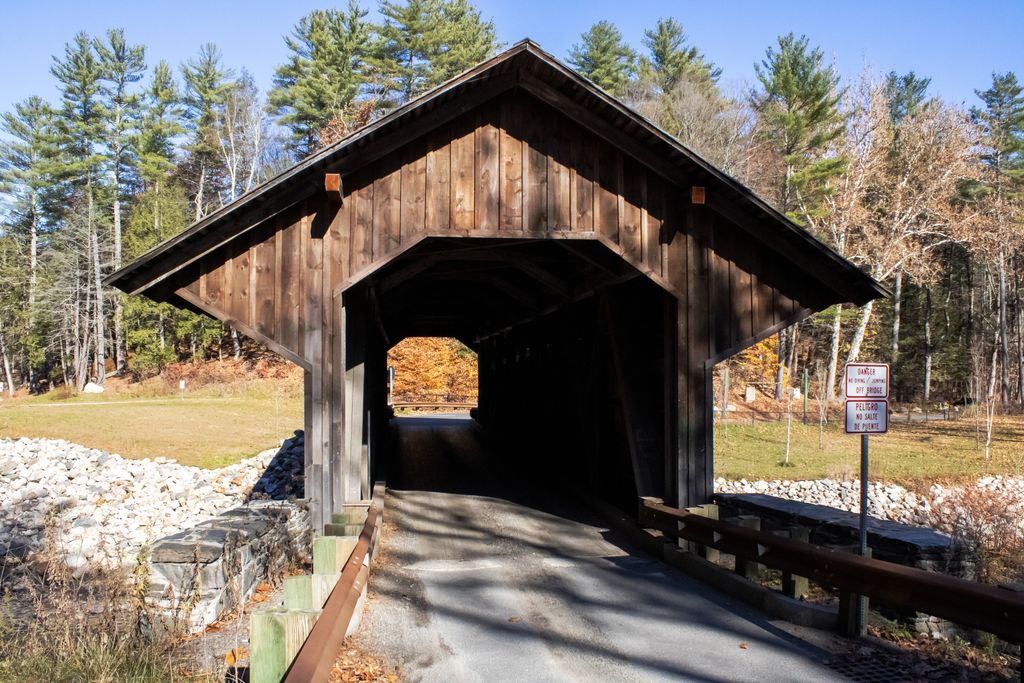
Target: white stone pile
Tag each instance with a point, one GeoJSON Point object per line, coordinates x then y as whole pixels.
{"type": "Point", "coordinates": [101, 508]}
{"type": "Point", "coordinates": [888, 501]}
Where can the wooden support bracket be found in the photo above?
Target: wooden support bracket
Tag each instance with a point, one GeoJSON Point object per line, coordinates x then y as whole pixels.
{"type": "Point", "coordinates": [333, 187]}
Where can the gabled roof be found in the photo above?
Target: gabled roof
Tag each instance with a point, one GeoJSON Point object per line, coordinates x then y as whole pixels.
{"type": "Point", "coordinates": [525, 65]}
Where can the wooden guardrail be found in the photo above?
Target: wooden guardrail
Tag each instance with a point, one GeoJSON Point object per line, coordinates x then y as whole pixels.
{"type": "Point", "coordinates": [318, 653]}
{"type": "Point", "coordinates": [300, 640]}
{"type": "Point", "coordinates": [985, 607]}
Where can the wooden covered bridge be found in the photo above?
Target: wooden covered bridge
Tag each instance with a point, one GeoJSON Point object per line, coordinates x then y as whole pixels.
{"type": "Point", "coordinates": [598, 266]}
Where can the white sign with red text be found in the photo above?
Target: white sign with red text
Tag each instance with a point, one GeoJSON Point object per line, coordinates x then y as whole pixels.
{"type": "Point", "coordinates": [867, 380]}
{"type": "Point", "coordinates": [867, 391]}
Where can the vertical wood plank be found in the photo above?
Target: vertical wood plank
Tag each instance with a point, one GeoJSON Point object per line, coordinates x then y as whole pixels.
{"type": "Point", "coordinates": [699, 344]}
{"type": "Point", "coordinates": [214, 278]}
{"type": "Point", "coordinates": [265, 255]}
{"type": "Point", "coordinates": [608, 192]}
{"type": "Point", "coordinates": [438, 187]}
{"type": "Point", "coordinates": [240, 282]}
{"type": "Point", "coordinates": [463, 179]}
{"type": "Point", "coordinates": [313, 353]}
{"type": "Point", "coordinates": [511, 166]}
{"type": "Point", "coordinates": [387, 213]}
{"type": "Point", "coordinates": [583, 180]}
{"type": "Point", "coordinates": [289, 280]}
{"type": "Point", "coordinates": [414, 192]}
{"type": "Point", "coordinates": [486, 149]}
{"type": "Point", "coordinates": [535, 170]}
{"type": "Point", "coordinates": [559, 204]}
{"type": "Point", "coordinates": [654, 213]}
{"type": "Point", "coordinates": [362, 228]}
{"type": "Point", "coordinates": [630, 203]}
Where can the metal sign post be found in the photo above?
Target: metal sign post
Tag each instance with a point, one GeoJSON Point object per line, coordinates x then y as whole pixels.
{"type": "Point", "coordinates": [867, 412]}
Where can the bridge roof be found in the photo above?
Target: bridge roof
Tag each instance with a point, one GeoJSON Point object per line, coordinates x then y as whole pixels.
{"type": "Point", "coordinates": [528, 67]}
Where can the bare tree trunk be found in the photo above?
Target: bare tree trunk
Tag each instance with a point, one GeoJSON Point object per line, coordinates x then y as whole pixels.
{"type": "Point", "coordinates": [8, 375]}
{"type": "Point", "coordinates": [200, 192]}
{"type": "Point", "coordinates": [927, 343]}
{"type": "Point", "coordinates": [897, 295]}
{"type": "Point", "coordinates": [236, 343]}
{"type": "Point", "coordinates": [1020, 339]}
{"type": "Point", "coordinates": [119, 342]}
{"type": "Point", "coordinates": [990, 404]}
{"type": "Point", "coordinates": [101, 339]}
{"type": "Point", "coordinates": [33, 278]}
{"type": "Point", "coordinates": [833, 358]}
{"type": "Point", "coordinates": [794, 338]}
{"type": "Point", "coordinates": [858, 335]}
{"type": "Point", "coordinates": [1004, 347]}
{"type": "Point", "coordinates": [781, 368]}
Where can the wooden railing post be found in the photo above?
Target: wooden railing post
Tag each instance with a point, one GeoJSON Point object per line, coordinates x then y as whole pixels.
{"type": "Point", "coordinates": [792, 585]}
{"type": "Point", "coordinates": [744, 567]}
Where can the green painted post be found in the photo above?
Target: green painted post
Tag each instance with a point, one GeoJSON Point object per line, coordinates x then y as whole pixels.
{"type": "Point", "coordinates": [276, 635]}
{"type": "Point", "coordinates": [331, 553]}
{"type": "Point", "coordinates": [309, 591]}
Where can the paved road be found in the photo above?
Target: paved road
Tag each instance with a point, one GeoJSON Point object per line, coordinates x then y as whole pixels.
{"type": "Point", "coordinates": [483, 578]}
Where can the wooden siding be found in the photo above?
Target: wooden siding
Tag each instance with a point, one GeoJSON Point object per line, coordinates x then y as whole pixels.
{"type": "Point", "coordinates": [512, 168]}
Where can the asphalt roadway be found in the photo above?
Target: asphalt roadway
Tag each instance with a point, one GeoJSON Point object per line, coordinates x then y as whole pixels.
{"type": "Point", "coordinates": [482, 576]}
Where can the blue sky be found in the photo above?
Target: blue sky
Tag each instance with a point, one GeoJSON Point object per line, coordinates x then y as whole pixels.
{"type": "Point", "coordinates": [957, 44]}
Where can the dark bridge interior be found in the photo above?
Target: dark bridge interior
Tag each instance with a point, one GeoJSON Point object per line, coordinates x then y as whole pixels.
{"type": "Point", "coordinates": [570, 337]}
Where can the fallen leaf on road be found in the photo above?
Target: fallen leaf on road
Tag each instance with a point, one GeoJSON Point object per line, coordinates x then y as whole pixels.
{"type": "Point", "coordinates": [744, 646]}
{"type": "Point", "coordinates": [515, 620]}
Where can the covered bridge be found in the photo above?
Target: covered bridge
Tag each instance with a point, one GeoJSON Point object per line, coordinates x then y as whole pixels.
{"type": "Point", "coordinates": [598, 266]}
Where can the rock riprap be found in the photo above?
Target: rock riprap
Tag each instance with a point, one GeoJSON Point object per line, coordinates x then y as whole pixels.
{"type": "Point", "coordinates": [101, 508]}
{"type": "Point", "coordinates": [888, 501]}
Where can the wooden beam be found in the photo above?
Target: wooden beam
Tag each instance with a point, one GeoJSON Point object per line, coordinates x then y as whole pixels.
{"type": "Point", "coordinates": [697, 195]}
{"type": "Point", "coordinates": [333, 187]}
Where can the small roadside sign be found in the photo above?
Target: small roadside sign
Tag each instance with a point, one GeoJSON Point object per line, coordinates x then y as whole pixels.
{"type": "Point", "coordinates": [867, 417]}
{"type": "Point", "coordinates": [867, 412]}
{"type": "Point", "coordinates": [867, 380]}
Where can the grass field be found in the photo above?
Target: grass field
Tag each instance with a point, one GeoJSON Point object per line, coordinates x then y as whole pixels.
{"type": "Point", "coordinates": [917, 454]}
{"type": "Point", "coordinates": [210, 428]}
{"type": "Point", "coordinates": [224, 422]}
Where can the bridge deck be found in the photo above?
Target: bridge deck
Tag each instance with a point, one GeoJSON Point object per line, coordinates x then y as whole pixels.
{"type": "Point", "coordinates": [484, 577]}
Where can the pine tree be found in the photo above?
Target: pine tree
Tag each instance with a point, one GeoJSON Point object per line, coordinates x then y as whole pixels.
{"type": "Point", "coordinates": [80, 129]}
{"type": "Point", "coordinates": [324, 73]}
{"type": "Point", "coordinates": [207, 83]}
{"type": "Point", "coordinates": [161, 126]}
{"type": "Point", "coordinates": [672, 59]}
{"type": "Point", "coordinates": [604, 57]}
{"type": "Point", "coordinates": [122, 65]}
{"type": "Point", "coordinates": [800, 119]}
{"type": "Point", "coordinates": [422, 43]}
{"type": "Point", "coordinates": [905, 94]}
{"type": "Point", "coordinates": [26, 167]}
{"type": "Point", "coordinates": [462, 40]}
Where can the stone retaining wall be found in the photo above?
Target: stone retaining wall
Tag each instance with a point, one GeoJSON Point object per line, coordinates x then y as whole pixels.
{"type": "Point", "coordinates": [198, 574]}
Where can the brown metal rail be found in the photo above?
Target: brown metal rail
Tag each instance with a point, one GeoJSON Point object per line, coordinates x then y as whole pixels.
{"type": "Point", "coordinates": [978, 605]}
{"type": "Point", "coordinates": [318, 654]}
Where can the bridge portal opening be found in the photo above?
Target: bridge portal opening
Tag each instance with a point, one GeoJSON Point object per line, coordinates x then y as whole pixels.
{"type": "Point", "coordinates": [567, 340]}
{"type": "Point", "coordinates": [432, 375]}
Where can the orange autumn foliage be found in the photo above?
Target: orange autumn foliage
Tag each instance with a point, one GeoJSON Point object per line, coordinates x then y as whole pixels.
{"type": "Point", "coordinates": [433, 369]}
